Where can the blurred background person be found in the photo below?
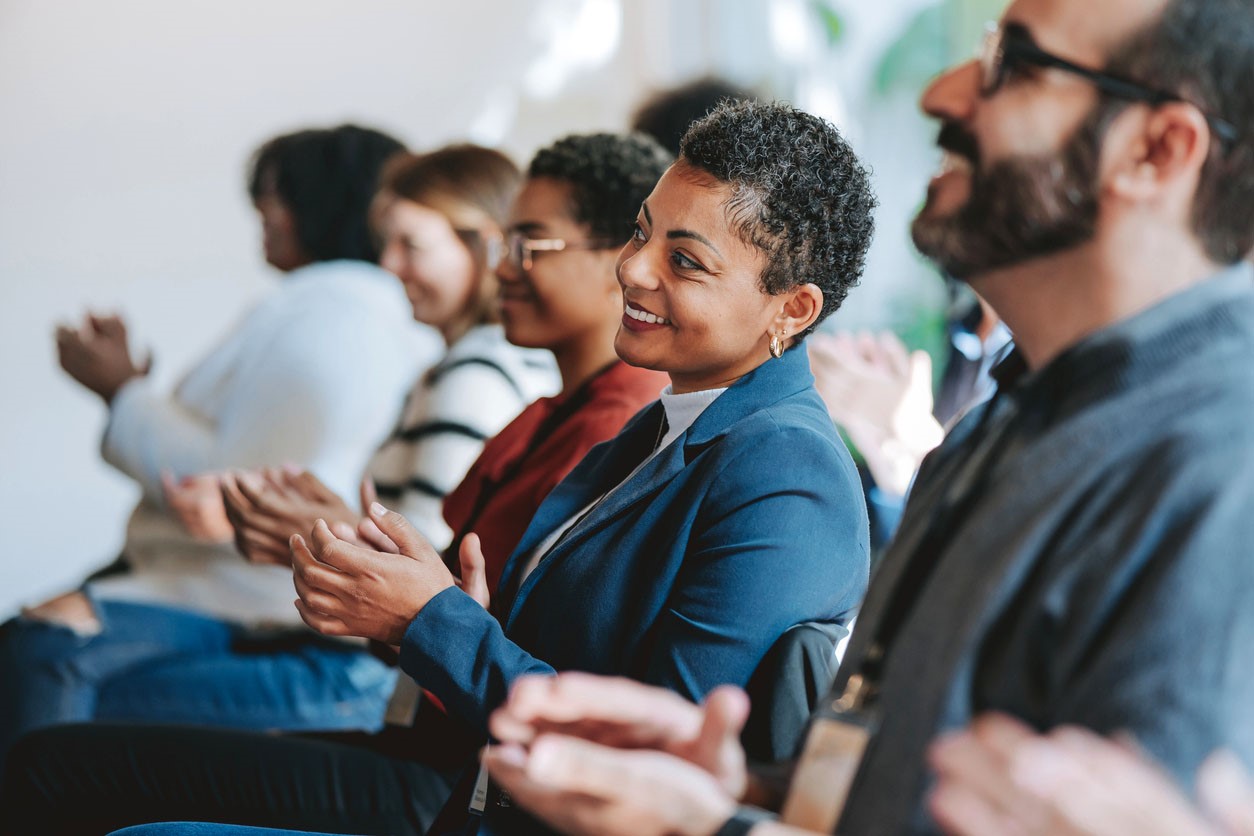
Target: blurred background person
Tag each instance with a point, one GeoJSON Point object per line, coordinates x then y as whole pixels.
{"type": "Point", "coordinates": [312, 375]}
{"type": "Point", "coordinates": [667, 114]}
{"type": "Point", "coordinates": [881, 395]}
{"type": "Point", "coordinates": [999, 776]}
{"type": "Point", "coordinates": [440, 219]}
{"type": "Point", "coordinates": [443, 216]}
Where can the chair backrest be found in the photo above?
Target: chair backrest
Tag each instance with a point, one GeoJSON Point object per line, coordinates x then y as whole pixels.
{"type": "Point", "coordinates": [786, 687]}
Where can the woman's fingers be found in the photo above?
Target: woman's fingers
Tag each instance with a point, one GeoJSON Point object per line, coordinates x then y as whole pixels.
{"type": "Point", "coordinates": [400, 531]}
{"type": "Point", "coordinates": [474, 581]}
{"type": "Point", "coordinates": [370, 533]}
{"type": "Point", "coordinates": [368, 494]}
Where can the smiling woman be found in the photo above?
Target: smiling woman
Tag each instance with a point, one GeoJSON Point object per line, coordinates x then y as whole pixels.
{"type": "Point", "coordinates": [729, 263]}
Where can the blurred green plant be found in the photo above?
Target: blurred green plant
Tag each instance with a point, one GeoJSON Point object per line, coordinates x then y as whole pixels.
{"type": "Point", "coordinates": [936, 37]}
{"type": "Point", "coordinates": [833, 23]}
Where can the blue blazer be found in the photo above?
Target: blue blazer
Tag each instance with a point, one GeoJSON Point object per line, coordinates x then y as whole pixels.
{"type": "Point", "coordinates": [751, 521]}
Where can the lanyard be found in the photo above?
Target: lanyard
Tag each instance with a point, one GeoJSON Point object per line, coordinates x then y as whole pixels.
{"type": "Point", "coordinates": [962, 493]}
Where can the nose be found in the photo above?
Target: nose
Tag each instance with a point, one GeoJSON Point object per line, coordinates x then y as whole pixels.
{"type": "Point", "coordinates": [506, 270]}
{"type": "Point", "coordinates": [953, 94]}
{"type": "Point", "coordinates": [633, 268]}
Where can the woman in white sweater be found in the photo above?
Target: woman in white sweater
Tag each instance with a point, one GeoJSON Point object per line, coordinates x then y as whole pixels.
{"type": "Point", "coordinates": [313, 375]}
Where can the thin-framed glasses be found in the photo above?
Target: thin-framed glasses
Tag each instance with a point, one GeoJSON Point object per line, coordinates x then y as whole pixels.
{"type": "Point", "coordinates": [1005, 48]}
{"type": "Point", "coordinates": [520, 249]}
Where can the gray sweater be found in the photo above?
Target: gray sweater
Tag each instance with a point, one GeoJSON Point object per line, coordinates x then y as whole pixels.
{"type": "Point", "coordinates": [1101, 572]}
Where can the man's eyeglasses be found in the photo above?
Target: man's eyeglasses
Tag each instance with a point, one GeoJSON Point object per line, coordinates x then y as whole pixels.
{"type": "Point", "coordinates": [520, 250]}
{"type": "Point", "coordinates": [1004, 49]}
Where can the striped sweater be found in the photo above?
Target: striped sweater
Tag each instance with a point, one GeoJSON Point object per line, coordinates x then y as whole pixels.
{"type": "Point", "coordinates": [482, 383]}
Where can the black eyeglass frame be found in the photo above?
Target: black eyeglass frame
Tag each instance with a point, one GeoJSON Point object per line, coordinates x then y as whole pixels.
{"type": "Point", "coordinates": [1000, 51]}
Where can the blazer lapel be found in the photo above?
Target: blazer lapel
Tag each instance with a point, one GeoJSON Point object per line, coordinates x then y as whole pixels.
{"type": "Point", "coordinates": [765, 386]}
{"type": "Point", "coordinates": [605, 466]}
{"type": "Point", "coordinates": [654, 476]}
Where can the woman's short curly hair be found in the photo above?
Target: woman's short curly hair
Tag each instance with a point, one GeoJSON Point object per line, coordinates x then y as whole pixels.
{"type": "Point", "coordinates": [610, 175]}
{"type": "Point", "coordinates": [799, 194]}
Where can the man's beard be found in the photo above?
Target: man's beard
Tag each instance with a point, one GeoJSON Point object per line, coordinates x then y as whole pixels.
{"type": "Point", "coordinates": [1018, 209]}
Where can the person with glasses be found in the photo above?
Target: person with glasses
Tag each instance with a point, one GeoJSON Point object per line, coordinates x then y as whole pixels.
{"type": "Point", "coordinates": [1076, 552]}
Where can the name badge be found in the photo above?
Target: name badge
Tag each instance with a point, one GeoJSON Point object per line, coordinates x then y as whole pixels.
{"type": "Point", "coordinates": [479, 798]}
{"type": "Point", "coordinates": [834, 748]}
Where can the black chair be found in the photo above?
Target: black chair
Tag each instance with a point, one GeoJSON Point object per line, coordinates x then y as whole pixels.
{"type": "Point", "coordinates": [794, 675]}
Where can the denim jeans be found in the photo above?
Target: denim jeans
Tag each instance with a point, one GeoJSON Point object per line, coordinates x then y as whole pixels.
{"type": "Point", "coordinates": [156, 664]}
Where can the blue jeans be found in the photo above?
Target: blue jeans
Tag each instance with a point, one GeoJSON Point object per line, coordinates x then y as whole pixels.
{"type": "Point", "coordinates": [157, 664]}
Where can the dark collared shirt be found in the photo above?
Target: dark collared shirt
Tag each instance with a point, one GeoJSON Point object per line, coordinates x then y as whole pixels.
{"type": "Point", "coordinates": [1089, 532]}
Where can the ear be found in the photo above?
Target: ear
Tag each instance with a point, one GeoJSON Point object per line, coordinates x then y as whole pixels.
{"type": "Point", "coordinates": [800, 308]}
{"type": "Point", "coordinates": [1162, 150]}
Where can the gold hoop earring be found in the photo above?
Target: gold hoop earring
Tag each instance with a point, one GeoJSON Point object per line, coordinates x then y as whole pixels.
{"type": "Point", "coordinates": [776, 346]}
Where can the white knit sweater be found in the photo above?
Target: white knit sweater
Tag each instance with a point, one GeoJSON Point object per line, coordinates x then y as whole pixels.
{"type": "Point", "coordinates": [313, 376]}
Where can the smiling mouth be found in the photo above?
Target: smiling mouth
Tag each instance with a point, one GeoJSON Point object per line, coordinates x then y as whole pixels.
{"type": "Point", "coordinates": [641, 315]}
{"type": "Point", "coordinates": [953, 162]}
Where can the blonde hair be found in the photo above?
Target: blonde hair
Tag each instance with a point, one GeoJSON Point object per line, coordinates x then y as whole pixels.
{"type": "Point", "coordinates": [473, 187]}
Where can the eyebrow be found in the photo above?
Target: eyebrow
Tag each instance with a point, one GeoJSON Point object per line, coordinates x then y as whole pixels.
{"type": "Point", "coordinates": [1019, 31]}
{"type": "Point", "coordinates": [680, 233]}
{"type": "Point", "coordinates": [688, 233]}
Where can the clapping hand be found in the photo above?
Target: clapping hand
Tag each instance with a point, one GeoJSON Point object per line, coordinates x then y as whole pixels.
{"type": "Point", "coordinates": [266, 507]}
{"type": "Point", "coordinates": [350, 590]}
{"type": "Point", "coordinates": [196, 501]}
{"type": "Point", "coordinates": [882, 395]}
{"type": "Point", "coordinates": [592, 754]}
{"type": "Point", "coordinates": [999, 776]}
{"type": "Point", "coordinates": [98, 356]}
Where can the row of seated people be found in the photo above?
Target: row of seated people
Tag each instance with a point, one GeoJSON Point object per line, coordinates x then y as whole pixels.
{"type": "Point", "coordinates": [672, 614]}
{"type": "Point", "coordinates": [1070, 554]}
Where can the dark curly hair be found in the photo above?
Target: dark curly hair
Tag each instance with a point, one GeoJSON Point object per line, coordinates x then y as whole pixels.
{"type": "Point", "coordinates": [799, 194]}
{"type": "Point", "coordinates": [326, 177]}
{"type": "Point", "coordinates": [610, 175]}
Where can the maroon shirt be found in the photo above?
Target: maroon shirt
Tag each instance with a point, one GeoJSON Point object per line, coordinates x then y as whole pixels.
{"type": "Point", "coordinates": [519, 467]}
